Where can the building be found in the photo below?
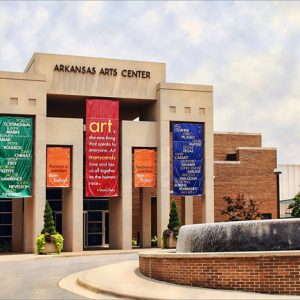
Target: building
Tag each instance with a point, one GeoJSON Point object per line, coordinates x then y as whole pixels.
{"type": "Point", "coordinates": [289, 187]}
{"type": "Point", "coordinates": [53, 95]}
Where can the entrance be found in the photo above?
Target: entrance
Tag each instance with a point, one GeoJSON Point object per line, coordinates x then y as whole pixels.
{"type": "Point", "coordinates": [95, 223]}
{"type": "Point", "coordinates": [6, 225]}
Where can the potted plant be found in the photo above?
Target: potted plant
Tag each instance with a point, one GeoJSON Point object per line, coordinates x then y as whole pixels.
{"type": "Point", "coordinates": [49, 241]}
{"type": "Point", "coordinates": [169, 238]}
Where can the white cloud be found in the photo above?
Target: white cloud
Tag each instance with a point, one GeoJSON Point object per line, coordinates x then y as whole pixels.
{"type": "Point", "coordinates": [248, 51]}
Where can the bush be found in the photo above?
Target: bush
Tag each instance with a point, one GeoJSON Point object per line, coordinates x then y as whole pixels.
{"type": "Point", "coordinates": [41, 240]}
{"type": "Point", "coordinates": [295, 206]}
{"type": "Point", "coordinates": [173, 226]}
{"type": "Point", "coordinates": [241, 208]}
{"type": "Point", "coordinates": [49, 234]}
{"type": "Point", "coordinates": [154, 241]}
{"type": "Point", "coordinates": [49, 226]}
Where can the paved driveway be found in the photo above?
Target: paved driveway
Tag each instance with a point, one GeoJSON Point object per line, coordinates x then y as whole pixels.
{"type": "Point", "coordinates": [37, 278]}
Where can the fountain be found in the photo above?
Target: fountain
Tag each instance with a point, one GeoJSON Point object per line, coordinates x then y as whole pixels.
{"type": "Point", "coordinates": [262, 235]}
{"type": "Point", "coordinates": [255, 256]}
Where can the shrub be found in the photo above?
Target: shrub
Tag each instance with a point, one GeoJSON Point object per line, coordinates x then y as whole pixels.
{"type": "Point", "coordinates": [49, 234]}
{"type": "Point", "coordinates": [295, 206]}
{"type": "Point", "coordinates": [173, 226]}
{"type": "Point", "coordinates": [241, 208]}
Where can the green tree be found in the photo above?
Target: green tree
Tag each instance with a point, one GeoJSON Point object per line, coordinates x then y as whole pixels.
{"type": "Point", "coordinates": [241, 208]}
{"type": "Point", "coordinates": [174, 223]}
{"type": "Point", "coordinates": [49, 226]}
{"type": "Point", "coordinates": [295, 206]}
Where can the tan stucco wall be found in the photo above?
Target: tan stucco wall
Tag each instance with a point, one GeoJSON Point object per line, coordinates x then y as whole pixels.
{"type": "Point", "coordinates": [69, 132]}
{"type": "Point", "coordinates": [134, 134]}
{"type": "Point", "coordinates": [98, 85]}
{"type": "Point", "coordinates": [190, 103]}
{"type": "Point", "coordinates": [25, 94]}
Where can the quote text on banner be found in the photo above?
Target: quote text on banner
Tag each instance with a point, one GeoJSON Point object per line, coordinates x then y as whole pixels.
{"type": "Point", "coordinates": [15, 157]}
{"type": "Point", "coordinates": [58, 166]}
{"type": "Point", "coordinates": [102, 148]}
{"type": "Point", "coordinates": [187, 159]}
{"type": "Point", "coordinates": [144, 168]}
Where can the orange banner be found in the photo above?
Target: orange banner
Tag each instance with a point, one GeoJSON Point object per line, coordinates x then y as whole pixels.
{"type": "Point", "coordinates": [58, 166]}
{"type": "Point", "coordinates": [144, 168]}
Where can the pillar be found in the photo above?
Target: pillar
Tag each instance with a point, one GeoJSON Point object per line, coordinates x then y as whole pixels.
{"type": "Point", "coordinates": [188, 212]}
{"type": "Point", "coordinates": [163, 178]}
{"type": "Point", "coordinates": [145, 204]}
{"type": "Point", "coordinates": [17, 225]}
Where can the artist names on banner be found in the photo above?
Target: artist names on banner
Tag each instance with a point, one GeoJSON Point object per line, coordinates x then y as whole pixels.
{"type": "Point", "coordinates": [15, 157]}
{"type": "Point", "coordinates": [102, 148]}
{"type": "Point", "coordinates": [187, 159]}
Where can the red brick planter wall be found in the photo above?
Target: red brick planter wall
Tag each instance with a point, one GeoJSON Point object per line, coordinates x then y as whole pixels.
{"type": "Point", "coordinates": [264, 272]}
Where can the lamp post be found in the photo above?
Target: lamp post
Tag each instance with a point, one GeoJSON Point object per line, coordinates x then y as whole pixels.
{"type": "Point", "coordinates": [278, 172]}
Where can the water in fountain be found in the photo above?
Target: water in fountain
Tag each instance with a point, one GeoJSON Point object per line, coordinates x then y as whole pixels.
{"type": "Point", "coordinates": [262, 235]}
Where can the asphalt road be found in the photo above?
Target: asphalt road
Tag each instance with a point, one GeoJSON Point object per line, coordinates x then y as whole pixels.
{"type": "Point", "coordinates": [38, 278]}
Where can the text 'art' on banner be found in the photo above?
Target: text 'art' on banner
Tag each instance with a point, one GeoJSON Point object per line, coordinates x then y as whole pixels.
{"type": "Point", "coordinates": [144, 168]}
{"type": "Point", "coordinates": [58, 166]}
{"type": "Point", "coordinates": [15, 157]}
{"type": "Point", "coordinates": [102, 148]}
{"type": "Point", "coordinates": [187, 159]}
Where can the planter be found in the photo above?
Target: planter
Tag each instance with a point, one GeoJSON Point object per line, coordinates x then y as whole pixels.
{"type": "Point", "coordinates": [49, 248]}
{"type": "Point", "coordinates": [171, 241]}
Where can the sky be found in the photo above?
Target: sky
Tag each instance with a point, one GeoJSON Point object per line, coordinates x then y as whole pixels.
{"type": "Point", "coordinates": [248, 51]}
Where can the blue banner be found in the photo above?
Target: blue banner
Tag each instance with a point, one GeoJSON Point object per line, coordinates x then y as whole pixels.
{"type": "Point", "coordinates": [187, 159]}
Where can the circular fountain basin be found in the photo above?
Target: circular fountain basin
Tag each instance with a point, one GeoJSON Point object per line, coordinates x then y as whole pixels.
{"type": "Point", "coordinates": [262, 235]}
{"type": "Point", "coordinates": [253, 256]}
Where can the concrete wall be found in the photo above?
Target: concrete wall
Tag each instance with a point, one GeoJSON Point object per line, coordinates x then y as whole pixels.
{"type": "Point", "coordinates": [97, 85]}
{"type": "Point", "coordinates": [69, 132]}
{"type": "Point", "coordinates": [134, 134]}
{"type": "Point", "coordinates": [191, 103]}
{"type": "Point", "coordinates": [25, 94]}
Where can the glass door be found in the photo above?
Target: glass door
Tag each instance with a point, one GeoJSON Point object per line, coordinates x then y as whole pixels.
{"type": "Point", "coordinates": [95, 224]}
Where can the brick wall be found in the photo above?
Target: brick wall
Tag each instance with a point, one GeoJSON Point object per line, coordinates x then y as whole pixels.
{"type": "Point", "coordinates": [273, 274]}
{"type": "Point", "coordinates": [253, 175]}
{"type": "Point", "coordinates": [226, 143]}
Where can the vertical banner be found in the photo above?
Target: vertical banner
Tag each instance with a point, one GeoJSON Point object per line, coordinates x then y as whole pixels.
{"type": "Point", "coordinates": [187, 159]}
{"type": "Point", "coordinates": [102, 148]}
{"type": "Point", "coordinates": [15, 157]}
{"type": "Point", "coordinates": [58, 166]}
{"type": "Point", "coordinates": [144, 168]}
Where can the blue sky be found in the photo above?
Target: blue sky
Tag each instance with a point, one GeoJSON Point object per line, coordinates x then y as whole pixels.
{"type": "Point", "coordinates": [249, 52]}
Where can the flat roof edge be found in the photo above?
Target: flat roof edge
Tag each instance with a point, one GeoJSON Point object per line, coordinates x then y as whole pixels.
{"type": "Point", "coordinates": [184, 86]}
{"type": "Point", "coordinates": [36, 54]}
{"type": "Point", "coordinates": [22, 76]}
{"type": "Point", "coordinates": [237, 133]}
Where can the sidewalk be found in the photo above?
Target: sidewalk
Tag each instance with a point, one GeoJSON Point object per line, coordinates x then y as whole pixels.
{"type": "Point", "coordinates": [27, 256]}
{"type": "Point", "coordinates": [122, 280]}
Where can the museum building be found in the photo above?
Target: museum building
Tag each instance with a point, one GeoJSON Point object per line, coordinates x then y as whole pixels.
{"type": "Point", "coordinates": [109, 143]}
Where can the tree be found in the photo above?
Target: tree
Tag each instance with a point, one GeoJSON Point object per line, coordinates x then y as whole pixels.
{"type": "Point", "coordinates": [174, 223]}
{"type": "Point", "coordinates": [295, 206]}
{"type": "Point", "coordinates": [173, 228]}
{"type": "Point", "coordinates": [49, 227]}
{"type": "Point", "coordinates": [241, 208]}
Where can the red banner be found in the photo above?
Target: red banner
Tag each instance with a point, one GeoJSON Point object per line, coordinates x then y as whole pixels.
{"type": "Point", "coordinates": [58, 166]}
{"type": "Point", "coordinates": [102, 148]}
{"type": "Point", "coordinates": [144, 168]}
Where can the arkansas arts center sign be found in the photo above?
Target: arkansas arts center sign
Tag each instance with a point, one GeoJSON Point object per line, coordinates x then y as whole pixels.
{"type": "Point", "coordinates": [102, 71]}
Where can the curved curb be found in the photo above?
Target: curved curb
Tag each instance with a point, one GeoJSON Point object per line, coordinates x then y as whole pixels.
{"type": "Point", "coordinates": [122, 280]}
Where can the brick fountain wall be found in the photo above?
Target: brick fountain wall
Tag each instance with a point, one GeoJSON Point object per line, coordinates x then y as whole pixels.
{"type": "Point", "coordinates": [263, 272]}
